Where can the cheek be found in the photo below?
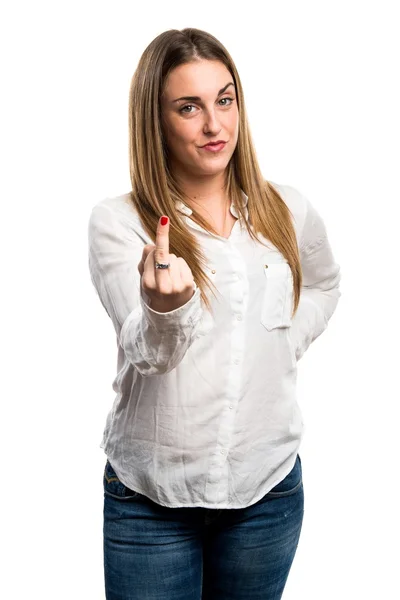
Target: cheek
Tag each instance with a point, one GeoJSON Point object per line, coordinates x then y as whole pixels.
{"type": "Point", "coordinates": [183, 134]}
{"type": "Point", "coordinates": [235, 122]}
{"type": "Point", "coordinates": [176, 131]}
{"type": "Point", "coordinates": [186, 141]}
{"type": "Point", "coordinates": [235, 130]}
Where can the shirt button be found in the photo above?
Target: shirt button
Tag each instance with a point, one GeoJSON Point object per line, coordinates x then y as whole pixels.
{"type": "Point", "coordinates": [231, 406]}
{"type": "Point", "coordinates": [237, 361]}
{"type": "Point", "coordinates": [213, 271]}
{"type": "Point", "coordinates": [239, 317]}
{"type": "Point", "coordinates": [222, 451]}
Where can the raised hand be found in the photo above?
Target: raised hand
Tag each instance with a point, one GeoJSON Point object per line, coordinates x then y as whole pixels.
{"type": "Point", "coordinates": [169, 288]}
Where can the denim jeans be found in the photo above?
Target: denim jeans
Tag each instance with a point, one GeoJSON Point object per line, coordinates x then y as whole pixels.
{"type": "Point", "coordinates": [153, 552]}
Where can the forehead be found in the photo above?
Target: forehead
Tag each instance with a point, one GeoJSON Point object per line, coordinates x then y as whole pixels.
{"type": "Point", "coordinates": [200, 78]}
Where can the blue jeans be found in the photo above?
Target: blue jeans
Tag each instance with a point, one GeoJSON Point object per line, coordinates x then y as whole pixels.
{"type": "Point", "coordinates": [153, 552]}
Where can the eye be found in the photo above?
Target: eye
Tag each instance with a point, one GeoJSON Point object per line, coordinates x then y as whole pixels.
{"type": "Point", "coordinates": [182, 110]}
{"type": "Point", "coordinates": [231, 99]}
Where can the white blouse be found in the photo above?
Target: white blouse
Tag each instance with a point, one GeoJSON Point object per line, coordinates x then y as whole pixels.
{"type": "Point", "coordinates": [205, 412]}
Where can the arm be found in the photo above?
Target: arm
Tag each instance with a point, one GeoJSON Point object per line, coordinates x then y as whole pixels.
{"type": "Point", "coordinates": [321, 278]}
{"type": "Point", "coordinates": [153, 342]}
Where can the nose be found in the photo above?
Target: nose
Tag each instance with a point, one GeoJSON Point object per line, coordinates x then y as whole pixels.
{"type": "Point", "coordinates": [211, 122]}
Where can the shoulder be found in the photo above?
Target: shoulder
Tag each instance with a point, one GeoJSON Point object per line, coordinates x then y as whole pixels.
{"type": "Point", "coordinates": [121, 213]}
{"type": "Point", "coordinates": [309, 222]}
{"type": "Point", "coordinates": [297, 203]}
{"type": "Point", "coordinates": [120, 206]}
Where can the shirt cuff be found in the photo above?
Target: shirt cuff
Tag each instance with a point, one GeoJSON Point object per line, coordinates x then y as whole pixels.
{"type": "Point", "coordinates": [187, 314]}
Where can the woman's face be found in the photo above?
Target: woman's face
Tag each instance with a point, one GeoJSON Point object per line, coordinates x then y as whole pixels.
{"type": "Point", "coordinates": [190, 124]}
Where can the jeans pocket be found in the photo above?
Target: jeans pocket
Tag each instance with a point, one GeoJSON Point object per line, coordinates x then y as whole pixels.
{"type": "Point", "coordinates": [290, 484]}
{"type": "Point", "coordinates": [114, 487]}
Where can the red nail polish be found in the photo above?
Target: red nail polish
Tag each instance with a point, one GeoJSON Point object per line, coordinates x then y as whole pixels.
{"type": "Point", "coordinates": [164, 220]}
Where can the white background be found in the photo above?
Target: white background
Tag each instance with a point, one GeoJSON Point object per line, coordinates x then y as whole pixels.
{"type": "Point", "coordinates": [321, 87]}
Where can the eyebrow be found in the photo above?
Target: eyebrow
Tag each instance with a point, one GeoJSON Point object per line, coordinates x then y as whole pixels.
{"type": "Point", "coordinates": [197, 98]}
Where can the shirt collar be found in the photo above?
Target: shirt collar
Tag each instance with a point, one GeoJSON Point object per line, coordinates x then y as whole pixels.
{"type": "Point", "coordinates": [188, 211]}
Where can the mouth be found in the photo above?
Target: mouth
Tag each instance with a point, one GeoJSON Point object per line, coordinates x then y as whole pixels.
{"type": "Point", "coordinates": [214, 146]}
{"type": "Point", "coordinates": [217, 143]}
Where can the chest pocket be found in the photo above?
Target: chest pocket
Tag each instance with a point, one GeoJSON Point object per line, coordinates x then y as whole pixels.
{"type": "Point", "coordinates": [277, 303]}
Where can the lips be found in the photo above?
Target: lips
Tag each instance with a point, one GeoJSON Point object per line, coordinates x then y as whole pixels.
{"type": "Point", "coordinates": [214, 143]}
{"type": "Point", "coordinates": [215, 148]}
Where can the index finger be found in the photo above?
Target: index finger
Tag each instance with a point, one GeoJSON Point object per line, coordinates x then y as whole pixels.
{"type": "Point", "coordinates": [161, 253]}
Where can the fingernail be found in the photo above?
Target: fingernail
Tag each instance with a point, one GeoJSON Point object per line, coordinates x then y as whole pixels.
{"type": "Point", "coordinates": [164, 220]}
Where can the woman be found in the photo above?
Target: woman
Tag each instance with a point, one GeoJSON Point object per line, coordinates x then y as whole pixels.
{"type": "Point", "coordinates": [203, 492]}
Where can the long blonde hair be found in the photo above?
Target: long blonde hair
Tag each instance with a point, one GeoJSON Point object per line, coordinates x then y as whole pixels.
{"type": "Point", "coordinates": [154, 188]}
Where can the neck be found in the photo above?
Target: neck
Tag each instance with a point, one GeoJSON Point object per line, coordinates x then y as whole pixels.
{"type": "Point", "coordinates": [208, 192]}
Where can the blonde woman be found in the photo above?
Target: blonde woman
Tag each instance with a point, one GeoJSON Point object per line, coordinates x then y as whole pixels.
{"type": "Point", "coordinates": [216, 282]}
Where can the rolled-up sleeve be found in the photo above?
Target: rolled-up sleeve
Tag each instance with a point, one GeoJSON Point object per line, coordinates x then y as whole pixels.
{"type": "Point", "coordinates": [320, 291]}
{"type": "Point", "coordinates": [153, 342]}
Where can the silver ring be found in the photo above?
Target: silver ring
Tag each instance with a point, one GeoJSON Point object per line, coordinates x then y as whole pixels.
{"type": "Point", "coordinates": [162, 265]}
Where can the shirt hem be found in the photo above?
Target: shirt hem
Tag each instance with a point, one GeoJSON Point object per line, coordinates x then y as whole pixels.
{"type": "Point", "coordinates": [212, 505]}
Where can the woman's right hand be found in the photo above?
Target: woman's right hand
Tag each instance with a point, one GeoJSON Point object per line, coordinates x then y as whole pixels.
{"type": "Point", "coordinates": [167, 289]}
